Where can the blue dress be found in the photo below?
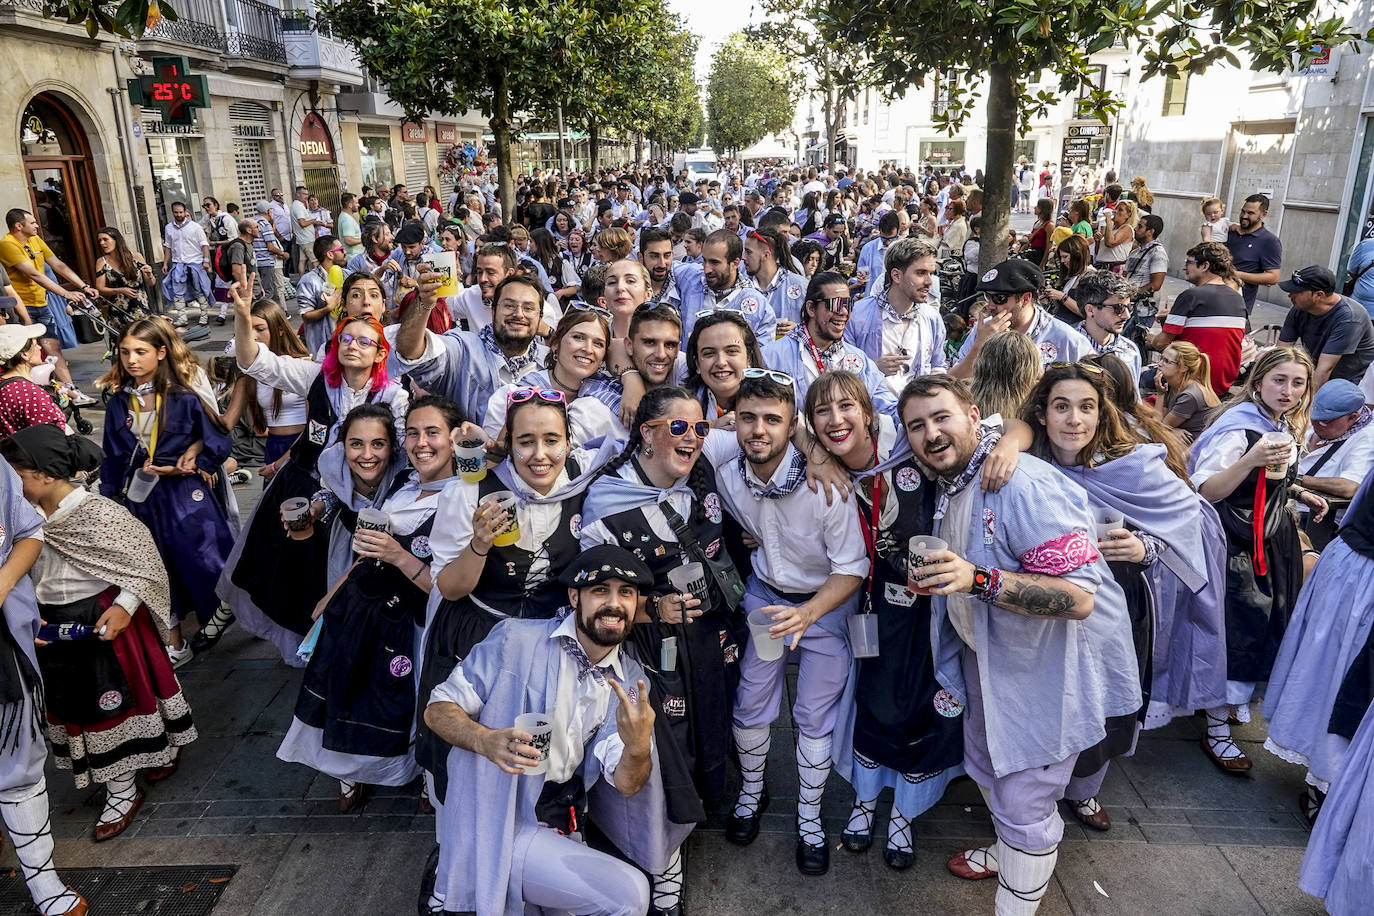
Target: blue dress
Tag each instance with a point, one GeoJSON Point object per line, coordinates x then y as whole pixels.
{"type": "Point", "coordinates": [188, 521]}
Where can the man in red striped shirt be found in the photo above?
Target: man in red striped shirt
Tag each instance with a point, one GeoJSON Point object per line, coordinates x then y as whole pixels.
{"type": "Point", "coordinates": [1211, 315]}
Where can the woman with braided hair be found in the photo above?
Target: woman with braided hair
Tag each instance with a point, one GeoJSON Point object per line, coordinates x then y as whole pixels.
{"type": "Point", "coordinates": [659, 501]}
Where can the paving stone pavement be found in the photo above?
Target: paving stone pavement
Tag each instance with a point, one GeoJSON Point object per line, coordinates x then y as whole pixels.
{"type": "Point", "coordinates": [1186, 839]}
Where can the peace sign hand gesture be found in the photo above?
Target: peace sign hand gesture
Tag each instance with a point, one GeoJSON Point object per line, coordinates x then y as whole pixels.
{"type": "Point", "coordinates": [634, 719]}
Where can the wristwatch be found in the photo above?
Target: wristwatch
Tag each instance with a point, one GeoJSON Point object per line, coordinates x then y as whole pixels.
{"type": "Point", "coordinates": [982, 581]}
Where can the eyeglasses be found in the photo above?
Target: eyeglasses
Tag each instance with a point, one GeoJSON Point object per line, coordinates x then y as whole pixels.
{"type": "Point", "coordinates": [346, 339]}
{"type": "Point", "coordinates": [836, 304]}
{"type": "Point", "coordinates": [547, 395]}
{"type": "Point", "coordinates": [782, 378]}
{"type": "Point", "coordinates": [601, 310]}
{"type": "Point", "coordinates": [678, 428]}
{"type": "Point", "coordinates": [998, 298]}
{"type": "Point", "coordinates": [1120, 308]}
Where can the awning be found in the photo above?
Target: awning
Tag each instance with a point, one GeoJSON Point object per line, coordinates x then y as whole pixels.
{"type": "Point", "coordinates": [768, 149]}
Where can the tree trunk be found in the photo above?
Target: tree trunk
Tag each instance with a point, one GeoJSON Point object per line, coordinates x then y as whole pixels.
{"type": "Point", "coordinates": [828, 110]}
{"type": "Point", "coordinates": [997, 180]}
{"type": "Point", "coordinates": [639, 148]}
{"type": "Point", "coordinates": [593, 146]}
{"type": "Point", "coordinates": [501, 131]}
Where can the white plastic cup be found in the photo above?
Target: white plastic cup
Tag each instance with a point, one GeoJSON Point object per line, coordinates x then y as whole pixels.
{"type": "Point", "coordinates": [765, 646]}
{"type": "Point", "coordinates": [918, 548]}
{"type": "Point", "coordinates": [1107, 520]}
{"type": "Point", "coordinates": [689, 579]}
{"type": "Point", "coordinates": [295, 512]}
{"type": "Point", "coordinates": [508, 502]}
{"type": "Point", "coordinates": [667, 654]}
{"type": "Point", "coordinates": [472, 462]}
{"type": "Point", "coordinates": [140, 486]}
{"type": "Point", "coordinates": [540, 727]}
{"type": "Point", "coordinates": [863, 635]}
{"type": "Point", "coordinates": [446, 263]}
{"type": "Point", "coordinates": [371, 519]}
{"type": "Point", "coordinates": [1280, 470]}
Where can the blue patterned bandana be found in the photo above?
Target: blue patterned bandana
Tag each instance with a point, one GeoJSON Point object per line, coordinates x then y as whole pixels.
{"type": "Point", "coordinates": [948, 488]}
{"type": "Point", "coordinates": [515, 365]}
{"type": "Point", "coordinates": [796, 473]}
{"type": "Point", "coordinates": [574, 650]}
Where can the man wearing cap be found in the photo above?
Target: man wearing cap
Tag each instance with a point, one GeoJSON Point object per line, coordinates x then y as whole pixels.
{"type": "Point", "coordinates": [1010, 289]}
{"type": "Point", "coordinates": [1106, 300]}
{"type": "Point", "coordinates": [23, 403]}
{"type": "Point", "coordinates": [1334, 330]}
{"type": "Point", "coordinates": [716, 283]}
{"type": "Point", "coordinates": [1342, 446]}
{"type": "Point", "coordinates": [805, 586]}
{"type": "Point", "coordinates": [510, 837]}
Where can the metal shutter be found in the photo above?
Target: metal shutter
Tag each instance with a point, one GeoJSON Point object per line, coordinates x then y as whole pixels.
{"type": "Point", "coordinates": [416, 161]}
{"type": "Point", "coordinates": [248, 165]}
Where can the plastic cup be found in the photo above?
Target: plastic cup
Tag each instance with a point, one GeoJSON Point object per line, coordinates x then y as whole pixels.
{"type": "Point", "coordinates": [863, 635]}
{"type": "Point", "coordinates": [540, 726]}
{"type": "Point", "coordinates": [140, 486]}
{"type": "Point", "coordinates": [472, 462]}
{"type": "Point", "coordinates": [918, 548]}
{"type": "Point", "coordinates": [371, 519]}
{"type": "Point", "coordinates": [667, 654]}
{"type": "Point", "coordinates": [446, 263]}
{"type": "Point", "coordinates": [295, 512]}
{"type": "Point", "coordinates": [1280, 470]}
{"type": "Point", "coordinates": [689, 579]}
{"type": "Point", "coordinates": [765, 646]}
{"type": "Point", "coordinates": [508, 502]}
{"type": "Point", "coordinates": [1107, 520]}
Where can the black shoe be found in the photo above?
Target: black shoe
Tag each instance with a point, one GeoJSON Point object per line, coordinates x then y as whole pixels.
{"type": "Point", "coordinates": [213, 630]}
{"type": "Point", "coordinates": [744, 830]}
{"type": "Point", "coordinates": [812, 860]}
{"type": "Point", "coordinates": [219, 320]}
{"type": "Point", "coordinates": [856, 842]}
{"type": "Point", "coordinates": [898, 859]}
{"type": "Point", "coordinates": [427, 879]}
{"type": "Point", "coordinates": [674, 910]}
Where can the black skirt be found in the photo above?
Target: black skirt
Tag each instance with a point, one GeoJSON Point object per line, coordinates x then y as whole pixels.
{"type": "Point", "coordinates": [284, 577]}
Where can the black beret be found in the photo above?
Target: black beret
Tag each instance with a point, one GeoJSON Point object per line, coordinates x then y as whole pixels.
{"type": "Point", "coordinates": [1014, 275]}
{"type": "Point", "coordinates": [606, 561]}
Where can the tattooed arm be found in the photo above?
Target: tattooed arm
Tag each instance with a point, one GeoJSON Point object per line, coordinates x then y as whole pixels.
{"type": "Point", "coordinates": [1028, 594]}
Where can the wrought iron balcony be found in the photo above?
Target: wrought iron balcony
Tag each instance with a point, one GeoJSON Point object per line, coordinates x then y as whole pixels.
{"type": "Point", "coordinates": [313, 53]}
{"type": "Point", "coordinates": [254, 31]}
{"type": "Point", "coordinates": [199, 23]}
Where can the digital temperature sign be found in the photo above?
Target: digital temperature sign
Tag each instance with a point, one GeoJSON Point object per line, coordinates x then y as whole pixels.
{"type": "Point", "coordinates": [171, 90]}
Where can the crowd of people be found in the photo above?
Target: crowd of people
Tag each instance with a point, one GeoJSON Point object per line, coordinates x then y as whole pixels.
{"type": "Point", "coordinates": [532, 490]}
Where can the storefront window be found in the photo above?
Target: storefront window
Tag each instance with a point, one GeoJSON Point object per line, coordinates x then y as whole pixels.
{"type": "Point", "coordinates": [376, 161]}
{"type": "Point", "coordinates": [942, 153]}
{"type": "Point", "coordinates": [174, 176]}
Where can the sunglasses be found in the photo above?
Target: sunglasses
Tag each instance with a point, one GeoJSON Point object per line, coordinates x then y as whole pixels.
{"type": "Point", "coordinates": [782, 378]}
{"type": "Point", "coordinates": [998, 298]}
{"type": "Point", "coordinates": [336, 250]}
{"type": "Point", "coordinates": [1119, 309]}
{"type": "Point", "coordinates": [678, 428]}
{"type": "Point", "coordinates": [547, 395]}
{"type": "Point", "coordinates": [346, 339]}
{"type": "Point", "coordinates": [836, 304]}
{"type": "Point", "coordinates": [601, 310]}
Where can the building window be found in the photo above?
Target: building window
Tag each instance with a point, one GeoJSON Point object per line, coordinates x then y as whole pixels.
{"type": "Point", "coordinates": [376, 162]}
{"type": "Point", "coordinates": [1083, 107]}
{"type": "Point", "coordinates": [945, 82]}
{"type": "Point", "coordinates": [174, 175]}
{"type": "Point", "coordinates": [1175, 95]}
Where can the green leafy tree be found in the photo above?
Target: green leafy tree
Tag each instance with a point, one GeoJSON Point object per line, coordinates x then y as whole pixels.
{"type": "Point", "coordinates": [504, 59]}
{"type": "Point", "coordinates": [752, 92]}
{"type": "Point", "coordinates": [127, 19]}
{"type": "Point", "coordinates": [1014, 41]}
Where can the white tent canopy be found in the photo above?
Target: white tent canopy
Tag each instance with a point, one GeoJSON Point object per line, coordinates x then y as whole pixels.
{"type": "Point", "coordinates": [768, 148]}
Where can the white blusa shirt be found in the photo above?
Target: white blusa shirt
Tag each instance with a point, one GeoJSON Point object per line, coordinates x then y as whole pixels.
{"type": "Point", "coordinates": [579, 709]}
{"type": "Point", "coordinates": [185, 242]}
{"type": "Point", "coordinates": [1223, 451]}
{"type": "Point", "coordinates": [802, 541]}
{"type": "Point", "coordinates": [55, 581]}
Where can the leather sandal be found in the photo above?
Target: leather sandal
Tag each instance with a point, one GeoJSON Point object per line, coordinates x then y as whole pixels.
{"type": "Point", "coordinates": [158, 774]}
{"type": "Point", "coordinates": [1215, 747]}
{"type": "Point", "coordinates": [1090, 813]}
{"type": "Point", "coordinates": [107, 831]}
{"type": "Point", "coordinates": [973, 864]}
{"type": "Point", "coordinates": [353, 799]}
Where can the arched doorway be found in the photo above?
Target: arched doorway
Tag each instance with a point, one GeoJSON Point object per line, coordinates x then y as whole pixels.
{"type": "Point", "coordinates": [61, 178]}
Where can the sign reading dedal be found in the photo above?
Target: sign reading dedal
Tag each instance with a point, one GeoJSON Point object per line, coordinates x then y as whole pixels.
{"type": "Point", "coordinates": [316, 144]}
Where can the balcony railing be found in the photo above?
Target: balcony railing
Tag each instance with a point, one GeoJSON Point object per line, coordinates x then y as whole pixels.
{"type": "Point", "coordinates": [255, 31]}
{"type": "Point", "coordinates": [198, 23]}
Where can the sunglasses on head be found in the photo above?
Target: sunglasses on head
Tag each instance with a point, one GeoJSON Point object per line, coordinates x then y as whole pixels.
{"type": "Point", "coordinates": [782, 378]}
{"type": "Point", "coordinates": [677, 428]}
{"type": "Point", "coordinates": [346, 339]}
{"type": "Point", "coordinates": [547, 395]}
{"type": "Point", "coordinates": [601, 310]}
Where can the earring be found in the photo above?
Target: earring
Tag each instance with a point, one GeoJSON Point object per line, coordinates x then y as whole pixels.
{"type": "Point", "coordinates": [647, 450]}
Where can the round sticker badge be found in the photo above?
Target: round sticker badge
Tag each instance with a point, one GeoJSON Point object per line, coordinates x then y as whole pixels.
{"type": "Point", "coordinates": [419, 546]}
{"type": "Point", "coordinates": [400, 666]}
{"type": "Point", "coordinates": [711, 503]}
{"type": "Point", "coordinates": [110, 700]}
{"type": "Point", "coordinates": [749, 305]}
{"type": "Point", "coordinates": [575, 524]}
{"type": "Point", "coordinates": [852, 362]}
{"type": "Point", "coordinates": [197, 495]}
{"type": "Point", "coordinates": [946, 705]}
{"type": "Point", "coordinates": [794, 291]}
{"type": "Point", "coordinates": [908, 479]}
{"type": "Point", "coordinates": [1049, 351]}
{"type": "Point", "coordinates": [990, 275]}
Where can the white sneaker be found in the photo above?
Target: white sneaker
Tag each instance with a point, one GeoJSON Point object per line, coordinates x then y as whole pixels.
{"type": "Point", "coordinates": [204, 319]}
{"type": "Point", "coordinates": [180, 656]}
{"type": "Point", "coordinates": [81, 398]}
{"type": "Point", "coordinates": [180, 320]}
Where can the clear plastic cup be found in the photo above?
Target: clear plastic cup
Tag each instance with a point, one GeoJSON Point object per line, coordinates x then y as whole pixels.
{"type": "Point", "coordinates": [1107, 520]}
{"type": "Point", "coordinates": [1280, 470]}
{"type": "Point", "coordinates": [370, 519]}
{"type": "Point", "coordinates": [508, 502]}
{"type": "Point", "coordinates": [540, 726]}
{"type": "Point", "coordinates": [472, 461]}
{"type": "Point", "coordinates": [295, 512]}
{"type": "Point", "coordinates": [689, 579]}
{"type": "Point", "coordinates": [863, 635]}
{"type": "Point", "coordinates": [765, 646]}
{"type": "Point", "coordinates": [140, 486]}
{"type": "Point", "coordinates": [918, 548]}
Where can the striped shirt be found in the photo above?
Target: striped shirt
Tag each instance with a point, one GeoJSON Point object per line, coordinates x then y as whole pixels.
{"type": "Point", "coordinates": [1212, 317]}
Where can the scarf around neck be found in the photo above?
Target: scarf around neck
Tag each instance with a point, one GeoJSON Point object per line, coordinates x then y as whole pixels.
{"type": "Point", "coordinates": [950, 488]}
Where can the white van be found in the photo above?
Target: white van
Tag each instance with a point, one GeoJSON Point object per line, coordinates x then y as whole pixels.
{"type": "Point", "coordinates": [699, 164]}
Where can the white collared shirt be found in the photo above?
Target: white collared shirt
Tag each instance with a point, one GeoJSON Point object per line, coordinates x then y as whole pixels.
{"type": "Point", "coordinates": [185, 242]}
{"type": "Point", "coordinates": [579, 708]}
{"type": "Point", "coordinates": [802, 541]}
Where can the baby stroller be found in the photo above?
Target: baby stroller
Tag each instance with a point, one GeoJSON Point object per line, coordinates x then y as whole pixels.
{"type": "Point", "coordinates": [42, 376]}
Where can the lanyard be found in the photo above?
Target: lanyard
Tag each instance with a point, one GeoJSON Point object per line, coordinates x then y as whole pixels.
{"type": "Point", "coordinates": [151, 445]}
{"type": "Point", "coordinates": [870, 531]}
{"type": "Point", "coordinates": [820, 364]}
